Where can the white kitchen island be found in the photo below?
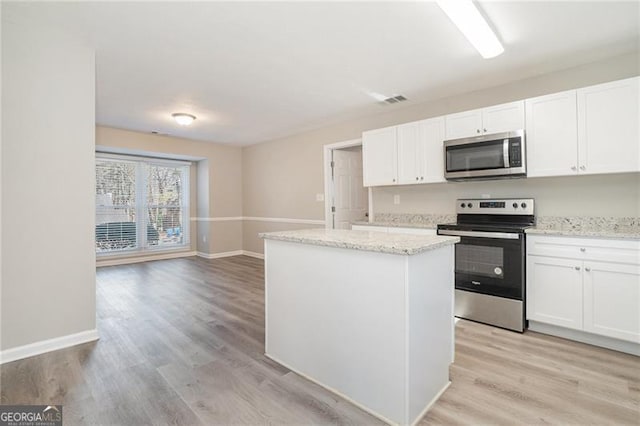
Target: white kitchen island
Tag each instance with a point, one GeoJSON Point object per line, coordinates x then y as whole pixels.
{"type": "Point", "coordinates": [367, 315]}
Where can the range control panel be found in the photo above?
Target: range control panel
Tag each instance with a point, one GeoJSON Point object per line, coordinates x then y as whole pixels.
{"type": "Point", "coordinates": [524, 206]}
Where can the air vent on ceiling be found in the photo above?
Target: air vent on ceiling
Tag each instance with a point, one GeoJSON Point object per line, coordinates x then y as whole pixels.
{"type": "Point", "coordinates": [395, 99]}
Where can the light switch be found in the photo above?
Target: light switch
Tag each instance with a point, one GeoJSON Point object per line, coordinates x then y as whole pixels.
{"type": "Point", "coordinates": [319, 197]}
{"type": "Point", "coordinates": [396, 199]}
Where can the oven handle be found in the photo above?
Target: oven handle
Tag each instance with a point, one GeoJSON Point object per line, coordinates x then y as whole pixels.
{"type": "Point", "coordinates": [480, 234]}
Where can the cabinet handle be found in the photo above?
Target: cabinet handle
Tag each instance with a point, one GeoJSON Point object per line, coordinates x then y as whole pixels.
{"type": "Point", "coordinates": [577, 268]}
{"type": "Point", "coordinates": [587, 269]}
{"type": "Point", "coordinates": [416, 177]}
{"type": "Point", "coordinates": [582, 249]}
{"type": "Point", "coordinates": [484, 130]}
{"type": "Point", "coordinates": [477, 130]}
{"type": "Point", "coordinates": [574, 168]}
{"type": "Point", "coordinates": [421, 177]}
{"type": "Point", "coordinates": [394, 180]}
{"type": "Point", "coordinates": [583, 168]}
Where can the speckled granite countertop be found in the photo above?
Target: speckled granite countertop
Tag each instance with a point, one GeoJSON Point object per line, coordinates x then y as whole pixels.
{"type": "Point", "coordinates": [602, 227]}
{"type": "Point", "coordinates": [408, 220]}
{"type": "Point", "coordinates": [364, 240]}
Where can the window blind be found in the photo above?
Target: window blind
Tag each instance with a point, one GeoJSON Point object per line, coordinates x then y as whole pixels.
{"type": "Point", "coordinates": [141, 204]}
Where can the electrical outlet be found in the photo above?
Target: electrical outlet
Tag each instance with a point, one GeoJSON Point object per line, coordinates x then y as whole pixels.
{"type": "Point", "coordinates": [319, 197]}
{"type": "Point", "coordinates": [396, 199]}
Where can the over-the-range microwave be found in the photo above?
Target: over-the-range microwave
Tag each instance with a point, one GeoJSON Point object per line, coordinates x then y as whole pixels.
{"type": "Point", "coordinates": [498, 155]}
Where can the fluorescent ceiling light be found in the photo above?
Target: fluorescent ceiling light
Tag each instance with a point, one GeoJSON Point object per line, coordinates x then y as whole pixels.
{"type": "Point", "coordinates": [183, 119]}
{"type": "Point", "coordinates": [470, 22]}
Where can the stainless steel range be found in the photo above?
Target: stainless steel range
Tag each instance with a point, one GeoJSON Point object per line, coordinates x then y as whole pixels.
{"type": "Point", "coordinates": [490, 260]}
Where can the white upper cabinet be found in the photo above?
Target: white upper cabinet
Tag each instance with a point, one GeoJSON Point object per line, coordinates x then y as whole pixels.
{"type": "Point", "coordinates": [409, 167]}
{"type": "Point", "coordinates": [552, 135]}
{"type": "Point", "coordinates": [494, 119]}
{"type": "Point", "coordinates": [420, 157]}
{"type": "Point", "coordinates": [380, 157]}
{"type": "Point", "coordinates": [608, 129]}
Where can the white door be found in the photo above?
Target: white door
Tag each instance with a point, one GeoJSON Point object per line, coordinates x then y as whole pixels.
{"type": "Point", "coordinates": [552, 135]}
{"type": "Point", "coordinates": [464, 124]}
{"type": "Point", "coordinates": [350, 197]}
{"type": "Point", "coordinates": [554, 291]}
{"type": "Point", "coordinates": [430, 150]}
{"type": "Point", "coordinates": [380, 157]}
{"type": "Point", "coordinates": [503, 118]}
{"type": "Point", "coordinates": [608, 129]}
{"type": "Point", "coordinates": [409, 137]}
{"type": "Point", "coordinates": [612, 300]}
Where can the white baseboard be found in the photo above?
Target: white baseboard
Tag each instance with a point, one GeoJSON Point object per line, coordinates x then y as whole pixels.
{"type": "Point", "coordinates": [137, 259]}
{"type": "Point", "coordinates": [584, 337]}
{"type": "Point", "coordinates": [231, 253]}
{"type": "Point", "coordinates": [219, 255]}
{"type": "Point", "coordinates": [44, 346]}
{"type": "Point", "coordinates": [253, 254]}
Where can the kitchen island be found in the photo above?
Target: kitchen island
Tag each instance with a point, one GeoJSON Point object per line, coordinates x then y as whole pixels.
{"type": "Point", "coordinates": [367, 315]}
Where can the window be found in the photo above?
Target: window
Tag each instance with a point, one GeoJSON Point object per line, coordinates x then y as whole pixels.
{"type": "Point", "coordinates": [141, 204]}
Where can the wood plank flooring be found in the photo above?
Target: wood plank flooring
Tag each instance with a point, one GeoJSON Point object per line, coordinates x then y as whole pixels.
{"type": "Point", "coordinates": [182, 343]}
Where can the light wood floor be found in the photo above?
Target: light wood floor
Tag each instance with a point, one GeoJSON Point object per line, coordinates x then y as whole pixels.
{"type": "Point", "coordinates": [182, 343]}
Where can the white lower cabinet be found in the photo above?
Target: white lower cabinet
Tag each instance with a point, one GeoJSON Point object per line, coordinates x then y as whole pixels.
{"type": "Point", "coordinates": [611, 300]}
{"type": "Point", "coordinates": [554, 293]}
{"type": "Point", "coordinates": [585, 284]}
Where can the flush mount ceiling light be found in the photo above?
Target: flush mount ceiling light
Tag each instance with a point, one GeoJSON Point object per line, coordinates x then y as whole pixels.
{"type": "Point", "coordinates": [183, 119]}
{"type": "Point", "coordinates": [465, 15]}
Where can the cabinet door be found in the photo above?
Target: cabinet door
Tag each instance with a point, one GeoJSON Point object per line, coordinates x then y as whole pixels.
{"type": "Point", "coordinates": [554, 291]}
{"type": "Point", "coordinates": [409, 137]}
{"type": "Point", "coordinates": [379, 157]}
{"type": "Point", "coordinates": [612, 300]}
{"type": "Point", "coordinates": [608, 130]}
{"type": "Point", "coordinates": [503, 118]}
{"type": "Point", "coordinates": [430, 150]}
{"type": "Point", "coordinates": [464, 124]}
{"type": "Point", "coordinates": [552, 135]}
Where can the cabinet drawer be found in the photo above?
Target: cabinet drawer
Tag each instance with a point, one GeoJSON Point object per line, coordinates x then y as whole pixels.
{"type": "Point", "coordinates": [607, 250]}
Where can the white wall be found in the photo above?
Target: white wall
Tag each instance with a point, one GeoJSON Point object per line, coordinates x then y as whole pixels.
{"type": "Point", "coordinates": [48, 130]}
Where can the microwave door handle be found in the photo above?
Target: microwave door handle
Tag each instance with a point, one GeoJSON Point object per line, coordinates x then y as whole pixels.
{"type": "Point", "coordinates": [505, 153]}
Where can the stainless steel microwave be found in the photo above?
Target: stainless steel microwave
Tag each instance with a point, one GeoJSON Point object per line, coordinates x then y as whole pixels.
{"type": "Point", "coordinates": [499, 155]}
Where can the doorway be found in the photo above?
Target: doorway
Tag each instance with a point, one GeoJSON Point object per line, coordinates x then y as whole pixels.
{"type": "Point", "coordinates": [347, 199]}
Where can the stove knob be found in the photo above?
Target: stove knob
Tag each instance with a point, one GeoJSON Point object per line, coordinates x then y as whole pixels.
{"type": "Point", "coordinates": [469, 205]}
{"type": "Point", "coordinates": [523, 205]}
{"type": "Point", "coordinates": [463, 205]}
{"type": "Point", "coordinates": [515, 205]}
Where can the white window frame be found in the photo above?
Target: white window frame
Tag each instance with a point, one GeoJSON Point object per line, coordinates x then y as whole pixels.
{"type": "Point", "coordinates": [141, 205]}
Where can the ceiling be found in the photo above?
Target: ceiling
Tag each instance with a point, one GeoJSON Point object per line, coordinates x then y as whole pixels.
{"type": "Point", "coordinates": [253, 72]}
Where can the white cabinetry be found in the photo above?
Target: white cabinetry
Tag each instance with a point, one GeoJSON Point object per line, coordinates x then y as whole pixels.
{"type": "Point", "coordinates": [380, 156]}
{"type": "Point", "coordinates": [552, 135]}
{"type": "Point", "coordinates": [608, 129]}
{"type": "Point", "coordinates": [494, 119]}
{"type": "Point", "coordinates": [420, 156]}
{"type": "Point", "coordinates": [586, 284]}
{"type": "Point", "coordinates": [585, 131]}
{"type": "Point", "coordinates": [407, 154]}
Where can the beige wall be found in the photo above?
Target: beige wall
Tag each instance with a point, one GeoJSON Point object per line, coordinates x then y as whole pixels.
{"type": "Point", "coordinates": [216, 182]}
{"type": "Point", "coordinates": [48, 175]}
{"type": "Point", "coordinates": [282, 177]}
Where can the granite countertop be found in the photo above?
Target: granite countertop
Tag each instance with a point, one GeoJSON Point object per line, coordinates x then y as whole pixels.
{"type": "Point", "coordinates": [364, 240]}
{"type": "Point", "coordinates": [601, 227]}
{"type": "Point", "coordinates": [408, 220]}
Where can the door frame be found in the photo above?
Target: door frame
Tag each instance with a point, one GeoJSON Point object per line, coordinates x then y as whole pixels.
{"type": "Point", "coordinates": [328, 187]}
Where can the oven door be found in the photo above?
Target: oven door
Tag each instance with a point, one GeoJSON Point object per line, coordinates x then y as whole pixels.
{"type": "Point", "coordinates": [490, 263]}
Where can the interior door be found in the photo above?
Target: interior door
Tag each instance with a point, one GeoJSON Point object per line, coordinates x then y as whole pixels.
{"type": "Point", "coordinates": [350, 197]}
